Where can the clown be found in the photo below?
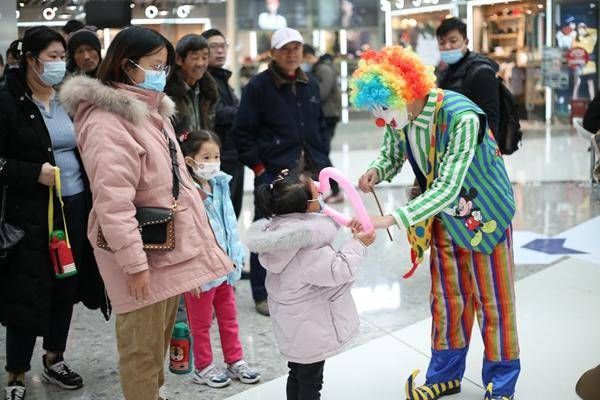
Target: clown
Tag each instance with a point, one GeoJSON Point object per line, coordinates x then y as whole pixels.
{"type": "Point", "coordinates": [463, 215]}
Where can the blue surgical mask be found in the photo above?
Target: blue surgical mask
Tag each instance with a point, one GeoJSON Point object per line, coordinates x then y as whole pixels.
{"type": "Point", "coordinates": [451, 56]}
{"type": "Point", "coordinates": [153, 80]}
{"type": "Point", "coordinates": [306, 67]}
{"type": "Point", "coordinates": [54, 72]}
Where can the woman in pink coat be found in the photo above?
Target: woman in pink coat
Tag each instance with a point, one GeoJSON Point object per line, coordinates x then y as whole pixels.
{"type": "Point", "coordinates": [123, 129]}
{"type": "Point", "coordinates": [308, 281]}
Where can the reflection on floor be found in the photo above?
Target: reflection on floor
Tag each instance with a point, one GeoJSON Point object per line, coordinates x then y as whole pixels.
{"type": "Point", "coordinates": [557, 333]}
{"type": "Point", "coordinates": [557, 297]}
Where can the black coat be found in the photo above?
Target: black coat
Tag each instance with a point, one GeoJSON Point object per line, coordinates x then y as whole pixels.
{"type": "Point", "coordinates": [27, 282]}
{"type": "Point", "coordinates": [278, 120]}
{"type": "Point", "coordinates": [226, 110]}
{"type": "Point", "coordinates": [591, 119]}
{"type": "Point", "coordinates": [475, 77]}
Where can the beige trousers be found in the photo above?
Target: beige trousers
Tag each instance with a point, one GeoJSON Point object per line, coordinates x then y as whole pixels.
{"type": "Point", "coordinates": [143, 338]}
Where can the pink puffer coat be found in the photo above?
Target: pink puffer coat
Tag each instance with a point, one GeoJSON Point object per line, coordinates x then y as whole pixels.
{"type": "Point", "coordinates": [308, 283]}
{"type": "Point", "coordinates": [125, 154]}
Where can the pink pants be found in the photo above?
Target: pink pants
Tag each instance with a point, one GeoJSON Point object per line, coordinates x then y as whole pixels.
{"type": "Point", "coordinates": [200, 312]}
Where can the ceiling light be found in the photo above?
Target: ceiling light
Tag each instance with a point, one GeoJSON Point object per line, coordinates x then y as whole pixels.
{"type": "Point", "coordinates": [183, 11]}
{"type": "Point", "coordinates": [49, 13]}
{"type": "Point", "coordinates": [151, 12]}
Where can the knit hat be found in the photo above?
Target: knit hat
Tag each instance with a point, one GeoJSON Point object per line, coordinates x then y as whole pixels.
{"type": "Point", "coordinates": [85, 35]}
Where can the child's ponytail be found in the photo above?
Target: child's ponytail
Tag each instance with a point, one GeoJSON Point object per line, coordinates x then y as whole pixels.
{"type": "Point", "coordinates": [263, 199]}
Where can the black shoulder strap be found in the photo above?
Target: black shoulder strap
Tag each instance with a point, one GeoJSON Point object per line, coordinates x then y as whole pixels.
{"type": "Point", "coordinates": [421, 179]}
{"type": "Point", "coordinates": [174, 165]}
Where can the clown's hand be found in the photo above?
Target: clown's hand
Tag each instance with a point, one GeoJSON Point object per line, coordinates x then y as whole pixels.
{"type": "Point", "coordinates": [383, 222]}
{"type": "Point", "coordinates": [368, 180]}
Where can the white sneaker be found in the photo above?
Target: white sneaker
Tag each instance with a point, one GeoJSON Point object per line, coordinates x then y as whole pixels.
{"type": "Point", "coordinates": [211, 376]}
{"type": "Point", "coordinates": [14, 391]}
{"type": "Point", "coordinates": [242, 372]}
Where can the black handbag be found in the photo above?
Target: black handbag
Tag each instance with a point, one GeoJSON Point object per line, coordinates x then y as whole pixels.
{"type": "Point", "coordinates": [10, 235]}
{"type": "Point", "coordinates": [156, 224]}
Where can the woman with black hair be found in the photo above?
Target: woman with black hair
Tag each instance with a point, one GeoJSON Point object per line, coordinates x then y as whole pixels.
{"type": "Point", "coordinates": [37, 137]}
{"type": "Point", "coordinates": [128, 147]}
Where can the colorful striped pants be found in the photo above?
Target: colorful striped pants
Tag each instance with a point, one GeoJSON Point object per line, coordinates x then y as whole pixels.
{"type": "Point", "coordinates": [464, 284]}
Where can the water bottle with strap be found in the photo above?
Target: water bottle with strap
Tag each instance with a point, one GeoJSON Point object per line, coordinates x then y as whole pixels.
{"type": "Point", "coordinates": [61, 255]}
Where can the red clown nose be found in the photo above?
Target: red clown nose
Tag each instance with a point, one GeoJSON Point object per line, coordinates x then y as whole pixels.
{"type": "Point", "coordinates": [380, 122]}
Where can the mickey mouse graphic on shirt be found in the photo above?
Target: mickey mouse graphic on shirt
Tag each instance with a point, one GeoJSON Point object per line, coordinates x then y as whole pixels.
{"type": "Point", "coordinates": [472, 216]}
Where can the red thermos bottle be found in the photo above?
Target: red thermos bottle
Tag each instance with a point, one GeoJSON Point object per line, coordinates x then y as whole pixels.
{"type": "Point", "coordinates": [61, 255]}
{"type": "Point", "coordinates": [180, 361]}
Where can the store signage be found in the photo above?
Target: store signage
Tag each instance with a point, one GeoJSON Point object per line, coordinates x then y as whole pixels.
{"type": "Point", "coordinates": [577, 57]}
{"type": "Point", "coordinates": [553, 74]}
{"type": "Point", "coordinates": [386, 5]}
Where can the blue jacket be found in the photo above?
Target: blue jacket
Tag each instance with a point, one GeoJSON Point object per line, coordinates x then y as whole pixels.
{"type": "Point", "coordinates": [224, 224]}
{"type": "Point", "coordinates": [278, 119]}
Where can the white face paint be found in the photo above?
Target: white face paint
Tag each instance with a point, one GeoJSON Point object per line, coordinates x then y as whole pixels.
{"type": "Point", "coordinates": [397, 119]}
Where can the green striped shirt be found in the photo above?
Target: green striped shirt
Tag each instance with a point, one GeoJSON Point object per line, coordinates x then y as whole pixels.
{"type": "Point", "coordinates": [452, 171]}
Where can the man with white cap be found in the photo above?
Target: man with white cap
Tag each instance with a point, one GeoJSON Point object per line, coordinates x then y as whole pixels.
{"type": "Point", "coordinates": [279, 126]}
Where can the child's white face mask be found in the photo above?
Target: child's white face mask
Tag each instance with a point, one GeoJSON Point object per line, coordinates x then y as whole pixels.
{"type": "Point", "coordinates": [206, 171]}
{"type": "Point", "coordinates": [321, 203]}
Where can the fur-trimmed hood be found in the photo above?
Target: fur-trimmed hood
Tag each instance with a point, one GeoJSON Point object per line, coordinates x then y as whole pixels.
{"type": "Point", "coordinates": [129, 102]}
{"type": "Point", "coordinates": [278, 240]}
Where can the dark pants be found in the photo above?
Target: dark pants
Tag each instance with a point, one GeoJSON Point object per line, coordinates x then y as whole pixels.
{"type": "Point", "coordinates": [258, 273]}
{"type": "Point", "coordinates": [305, 381]}
{"type": "Point", "coordinates": [19, 345]}
{"type": "Point", "coordinates": [329, 132]}
{"type": "Point", "coordinates": [236, 186]}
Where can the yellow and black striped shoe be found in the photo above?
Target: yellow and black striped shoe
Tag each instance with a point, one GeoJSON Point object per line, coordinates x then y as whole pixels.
{"type": "Point", "coordinates": [430, 392]}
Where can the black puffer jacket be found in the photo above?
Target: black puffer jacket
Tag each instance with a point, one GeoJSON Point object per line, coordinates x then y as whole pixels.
{"type": "Point", "coordinates": [27, 282]}
{"type": "Point", "coordinates": [475, 77]}
{"type": "Point", "coordinates": [226, 110]}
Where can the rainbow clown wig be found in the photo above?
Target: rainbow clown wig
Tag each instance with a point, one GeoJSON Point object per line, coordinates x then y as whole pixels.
{"type": "Point", "coordinates": [391, 78]}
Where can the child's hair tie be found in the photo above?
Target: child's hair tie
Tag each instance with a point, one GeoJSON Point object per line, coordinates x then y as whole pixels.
{"type": "Point", "coordinates": [184, 136]}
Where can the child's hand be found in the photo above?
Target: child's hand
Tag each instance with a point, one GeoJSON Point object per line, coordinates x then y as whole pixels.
{"type": "Point", "coordinates": [366, 238]}
{"type": "Point", "coordinates": [196, 292]}
{"type": "Point", "coordinates": [355, 225]}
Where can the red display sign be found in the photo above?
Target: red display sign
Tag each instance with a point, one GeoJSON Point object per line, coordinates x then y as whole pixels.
{"type": "Point", "coordinates": [577, 57]}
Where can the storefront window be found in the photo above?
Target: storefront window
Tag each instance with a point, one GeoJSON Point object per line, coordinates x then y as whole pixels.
{"type": "Point", "coordinates": [577, 38]}
{"type": "Point", "coordinates": [512, 34]}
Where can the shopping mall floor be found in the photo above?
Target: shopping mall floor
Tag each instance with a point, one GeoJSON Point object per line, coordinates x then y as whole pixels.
{"type": "Point", "coordinates": [558, 273]}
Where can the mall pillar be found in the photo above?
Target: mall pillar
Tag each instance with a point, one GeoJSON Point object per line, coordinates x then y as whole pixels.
{"type": "Point", "coordinates": [8, 24]}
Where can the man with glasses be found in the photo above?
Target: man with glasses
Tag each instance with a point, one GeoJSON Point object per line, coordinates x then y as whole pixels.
{"type": "Point", "coordinates": [191, 87]}
{"type": "Point", "coordinates": [226, 110]}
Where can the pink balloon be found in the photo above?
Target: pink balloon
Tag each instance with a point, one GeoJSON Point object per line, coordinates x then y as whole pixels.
{"type": "Point", "coordinates": [361, 212]}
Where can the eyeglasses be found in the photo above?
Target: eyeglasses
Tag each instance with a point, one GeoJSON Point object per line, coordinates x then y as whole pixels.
{"type": "Point", "coordinates": [222, 46]}
{"type": "Point", "coordinates": [157, 67]}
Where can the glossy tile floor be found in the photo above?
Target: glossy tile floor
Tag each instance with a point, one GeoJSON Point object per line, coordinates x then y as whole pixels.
{"type": "Point", "coordinates": [558, 270]}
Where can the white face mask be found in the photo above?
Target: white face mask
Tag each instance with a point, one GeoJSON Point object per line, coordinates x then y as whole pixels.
{"type": "Point", "coordinates": [207, 170]}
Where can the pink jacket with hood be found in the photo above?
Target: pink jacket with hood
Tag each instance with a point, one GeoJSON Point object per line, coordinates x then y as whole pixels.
{"type": "Point", "coordinates": [308, 282]}
{"type": "Point", "coordinates": [126, 157]}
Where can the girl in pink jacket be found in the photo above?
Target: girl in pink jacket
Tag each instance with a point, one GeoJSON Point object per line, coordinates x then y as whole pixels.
{"type": "Point", "coordinates": [308, 281]}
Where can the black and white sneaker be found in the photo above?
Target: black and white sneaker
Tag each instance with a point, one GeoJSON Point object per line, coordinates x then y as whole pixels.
{"type": "Point", "coordinates": [60, 374]}
{"type": "Point", "coordinates": [15, 391]}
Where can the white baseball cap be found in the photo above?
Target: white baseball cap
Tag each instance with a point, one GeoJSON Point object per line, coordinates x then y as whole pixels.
{"type": "Point", "coordinates": [283, 36]}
